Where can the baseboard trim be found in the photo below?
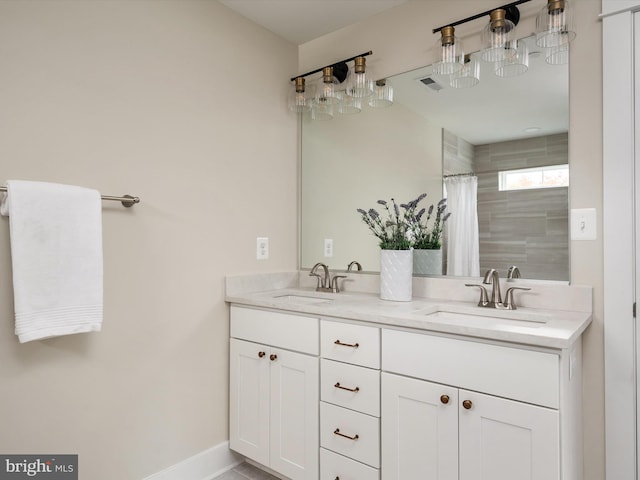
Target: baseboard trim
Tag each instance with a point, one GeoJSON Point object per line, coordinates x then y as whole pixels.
{"type": "Point", "coordinates": [205, 465]}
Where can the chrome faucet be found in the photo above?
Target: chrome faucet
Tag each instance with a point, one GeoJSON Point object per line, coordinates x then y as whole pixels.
{"type": "Point", "coordinates": [492, 278]}
{"type": "Point", "coordinates": [324, 282]}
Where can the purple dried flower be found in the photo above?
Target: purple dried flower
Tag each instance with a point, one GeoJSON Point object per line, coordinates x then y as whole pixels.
{"type": "Point", "coordinates": [382, 202]}
{"type": "Point", "coordinates": [361, 211]}
{"type": "Point", "coordinates": [373, 214]}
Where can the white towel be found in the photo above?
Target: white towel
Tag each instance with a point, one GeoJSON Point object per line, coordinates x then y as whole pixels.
{"type": "Point", "coordinates": [56, 252]}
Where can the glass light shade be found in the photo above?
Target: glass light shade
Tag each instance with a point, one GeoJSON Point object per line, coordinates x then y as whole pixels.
{"type": "Point", "coordinates": [515, 65]}
{"type": "Point", "coordinates": [554, 24]}
{"type": "Point", "coordinates": [349, 105]}
{"type": "Point", "coordinates": [382, 95]}
{"type": "Point", "coordinates": [449, 53]}
{"type": "Point", "coordinates": [558, 55]}
{"type": "Point", "coordinates": [299, 99]}
{"type": "Point", "coordinates": [468, 76]}
{"type": "Point", "coordinates": [497, 37]}
{"type": "Point", "coordinates": [358, 85]}
{"type": "Point", "coordinates": [321, 110]}
{"type": "Point", "coordinates": [326, 91]}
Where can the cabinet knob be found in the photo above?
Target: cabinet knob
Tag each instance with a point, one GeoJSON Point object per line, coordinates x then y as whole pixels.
{"type": "Point", "coordinates": [273, 357]}
{"type": "Point", "coordinates": [444, 399]}
{"type": "Point", "coordinates": [467, 404]}
{"type": "Point", "coordinates": [261, 354]}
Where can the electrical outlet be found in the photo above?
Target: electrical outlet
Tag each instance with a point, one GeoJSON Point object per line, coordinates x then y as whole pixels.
{"type": "Point", "coordinates": [328, 247]}
{"type": "Point", "coordinates": [583, 224]}
{"type": "Point", "coordinates": [262, 248]}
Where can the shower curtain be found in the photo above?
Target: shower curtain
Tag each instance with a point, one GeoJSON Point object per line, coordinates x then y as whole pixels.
{"type": "Point", "coordinates": [463, 249]}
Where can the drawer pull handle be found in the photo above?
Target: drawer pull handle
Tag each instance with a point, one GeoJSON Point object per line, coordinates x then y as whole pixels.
{"type": "Point", "coordinates": [467, 404]}
{"type": "Point", "coordinates": [354, 390]}
{"type": "Point", "coordinates": [273, 357]}
{"type": "Point", "coordinates": [261, 354]}
{"type": "Point", "coordinates": [444, 399]}
{"type": "Point", "coordinates": [352, 345]}
{"type": "Point", "coordinates": [337, 432]}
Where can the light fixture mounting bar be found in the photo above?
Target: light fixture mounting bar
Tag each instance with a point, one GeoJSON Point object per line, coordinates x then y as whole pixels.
{"type": "Point", "coordinates": [479, 15]}
{"type": "Point", "coordinates": [341, 61]}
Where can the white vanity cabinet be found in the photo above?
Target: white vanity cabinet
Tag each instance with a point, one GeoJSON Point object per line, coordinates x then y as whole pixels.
{"type": "Point", "coordinates": [454, 409]}
{"type": "Point", "coordinates": [274, 378]}
{"type": "Point", "coordinates": [350, 401]}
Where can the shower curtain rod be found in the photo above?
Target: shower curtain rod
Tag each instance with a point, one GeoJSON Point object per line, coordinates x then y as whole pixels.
{"type": "Point", "coordinates": [126, 200]}
{"type": "Point", "coordinates": [468, 174]}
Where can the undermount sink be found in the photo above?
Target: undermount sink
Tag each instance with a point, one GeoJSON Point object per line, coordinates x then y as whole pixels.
{"type": "Point", "coordinates": [488, 317]}
{"type": "Point", "coordinates": [303, 299]}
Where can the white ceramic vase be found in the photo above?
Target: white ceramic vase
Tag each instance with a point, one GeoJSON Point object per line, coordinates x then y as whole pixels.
{"type": "Point", "coordinates": [427, 262]}
{"type": "Point", "coordinates": [396, 275]}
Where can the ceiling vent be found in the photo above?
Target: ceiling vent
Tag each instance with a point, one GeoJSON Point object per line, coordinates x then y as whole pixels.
{"type": "Point", "coordinates": [431, 83]}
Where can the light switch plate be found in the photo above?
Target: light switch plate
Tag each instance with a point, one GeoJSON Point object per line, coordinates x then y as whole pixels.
{"type": "Point", "coordinates": [328, 247]}
{"type": "Point", "coordinates": [583, 224]}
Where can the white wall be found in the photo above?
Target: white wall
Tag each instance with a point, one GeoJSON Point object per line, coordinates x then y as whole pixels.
{"type": "Point", "coordinates": [181, 102]}
{"type": "Point", "coordinates": [401, 40]}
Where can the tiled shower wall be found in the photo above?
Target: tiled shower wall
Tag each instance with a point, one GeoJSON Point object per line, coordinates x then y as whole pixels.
{"type": "Point", "coordinates": [528, 228]}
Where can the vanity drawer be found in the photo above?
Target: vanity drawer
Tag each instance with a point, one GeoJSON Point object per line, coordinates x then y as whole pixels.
{"type": "Point", "coordinates": [349, 343]}
{"type": "Point", "coordinates": [365, 448]}
{"type": "Point", "coordinates": [334, 466]}
{"type": "Point", "coordinates": [508, 372]}
{"type": "Point", "coordinates": [284, 330]}
{"type": "Point", "coordinates": [336, 378]}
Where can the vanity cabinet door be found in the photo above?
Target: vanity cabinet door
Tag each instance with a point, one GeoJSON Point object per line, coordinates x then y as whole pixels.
{"type": "Point", "coordinates": [419, 430]}
{"type": "Point", "coordinates": [249, 400]}
{"type": "Point", "coordinates": [273, 407]}
{"type": "Point", "coordinates": [294, 414]}
{"type": "Point", "coordinates": [505, 440]}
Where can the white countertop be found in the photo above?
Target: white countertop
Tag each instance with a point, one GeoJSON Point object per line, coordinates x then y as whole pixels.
{"type": "Point", "coordinates": [529, 326]}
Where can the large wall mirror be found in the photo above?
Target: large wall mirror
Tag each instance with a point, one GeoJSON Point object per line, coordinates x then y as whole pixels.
{"type": "Point", "coordinates": [509, 130]}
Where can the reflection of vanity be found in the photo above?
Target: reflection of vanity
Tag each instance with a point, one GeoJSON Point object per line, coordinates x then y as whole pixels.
{"type": "Point", "coordinates": [440, 388]}
{"type": "Point", "coordinates": [402, 151]}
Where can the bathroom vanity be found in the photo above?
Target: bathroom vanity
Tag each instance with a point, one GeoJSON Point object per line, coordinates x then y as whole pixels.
{"type": "Point", "coordinates": [347, 386]}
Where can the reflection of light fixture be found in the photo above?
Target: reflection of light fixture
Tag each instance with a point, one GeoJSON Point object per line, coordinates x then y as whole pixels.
{"type": "Point", "coordinates": [497, 37]}
{"type": "Point", "coordinates": [516, 64]}
{"type": "Point", "coordinates": [558, 55]}
{"type": "Point", "coordinates": [554, 24]}
{"type": "Point", "coordinates": [382, 95]}
{"type": "Point", "coordinates": [449, 52]}
{"type": "Point", "coordinates": [299, 99]}
{"type": "Point", "coordinates": [321, 109]}
{"type": "Point", "coordinates": [468, 76]}
{"type": "Point", "coordinates": [358, 85]}
{"type": "Point", "coordinates": [349, 105]}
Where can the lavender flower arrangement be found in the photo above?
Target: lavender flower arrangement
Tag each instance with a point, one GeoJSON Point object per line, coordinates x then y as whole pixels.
{"type": "Point", "coordinates": [392, 232]}
{"type": "Point", "coordinates": [404, 229]}
{"type": "Point", "coordinates": [425, 236]}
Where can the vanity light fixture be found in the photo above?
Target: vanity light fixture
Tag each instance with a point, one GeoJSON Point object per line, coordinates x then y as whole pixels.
{"type": "Point", "coordinates": [332, 96]}
{"type": "Point", "coordinates": [327, 92]}
{"type": "Point", "coordinates": [449, 52]}
{"type": "Point", "coordinates": [299, 99]}
{"type": "Point", "coordinates": [358, 85]}
{"type": "Point", "coordinates": [554, 24]}
{"type": "Point", "coordinates": [498, 36]}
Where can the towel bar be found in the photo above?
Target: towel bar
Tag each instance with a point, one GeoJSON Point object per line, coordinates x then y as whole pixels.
{"type": "Point", "coordinates": [126, 200]}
